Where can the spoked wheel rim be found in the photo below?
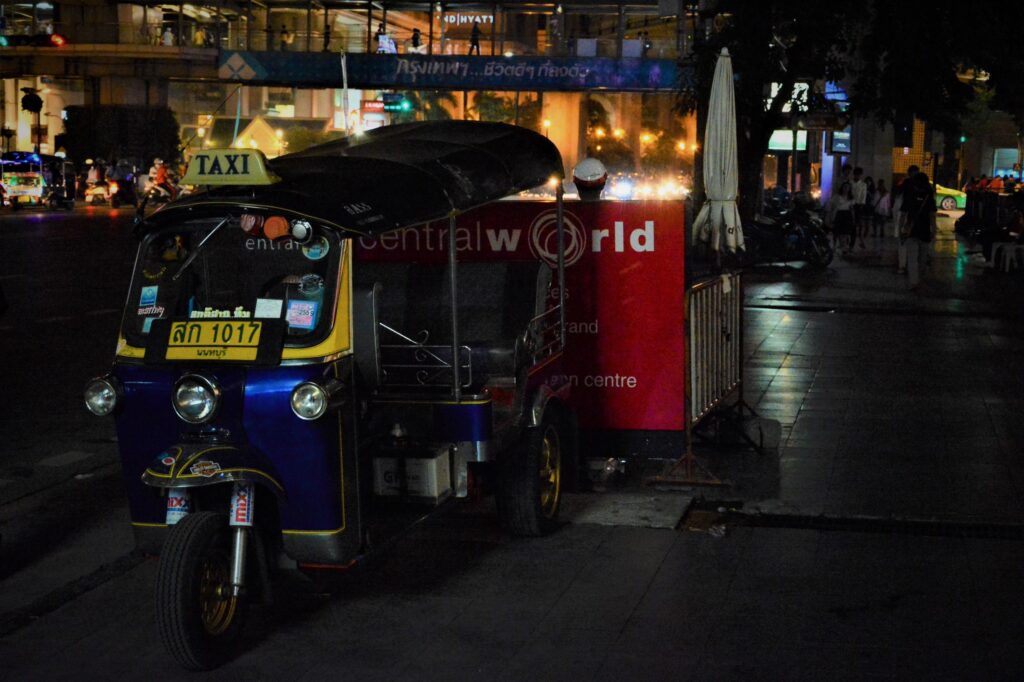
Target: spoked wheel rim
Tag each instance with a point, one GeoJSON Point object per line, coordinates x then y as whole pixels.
{"type": "Point", "coordinates": [550, 472]}
{"type": "Point", "coordinates": [216, 606]}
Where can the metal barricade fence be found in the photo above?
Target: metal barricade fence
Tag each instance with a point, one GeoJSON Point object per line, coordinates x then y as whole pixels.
{"type": "Point", "coordinates": [714, 344]}
{"type": "Point", "coordinates": [714, 369]}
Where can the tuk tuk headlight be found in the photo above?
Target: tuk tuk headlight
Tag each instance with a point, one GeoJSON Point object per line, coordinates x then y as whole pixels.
{"type": "Point", "coordinates": [101, 396]}
{"type": "Point", "coordinates": [309, 401]}
{"type": "Point", "coordinates": [195, 398]}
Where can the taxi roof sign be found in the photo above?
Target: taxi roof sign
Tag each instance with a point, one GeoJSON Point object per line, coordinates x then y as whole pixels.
{"type": "Point", "coordinates": [229, 167]}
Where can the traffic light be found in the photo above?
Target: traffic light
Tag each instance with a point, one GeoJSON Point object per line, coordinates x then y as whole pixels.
{"type": "Point", "coordinates": [963, 139]}
{"type": "Point", "coordinates": [30, 101]}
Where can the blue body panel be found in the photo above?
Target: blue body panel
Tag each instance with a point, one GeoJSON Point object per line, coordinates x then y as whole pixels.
{"type": "Point", "coordinates": [256, 414]}
{"type": "Point", "coordinates": [460, 423]}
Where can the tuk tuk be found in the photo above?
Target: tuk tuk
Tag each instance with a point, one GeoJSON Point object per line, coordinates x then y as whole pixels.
{"type": "Point", "coordinates": [61, 182]}
{"type": "Point", "coordinates": [277, 399]}
{"type": "Point", "coordinates": [28, 177]}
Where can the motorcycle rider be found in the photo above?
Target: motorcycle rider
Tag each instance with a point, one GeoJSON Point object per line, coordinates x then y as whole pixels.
{"type": "Point", "coordinates": [160, 177]}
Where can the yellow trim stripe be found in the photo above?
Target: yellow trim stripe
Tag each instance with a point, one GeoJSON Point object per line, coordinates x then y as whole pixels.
{"type": "Point", "coordinates": [243, 470]}
{"type": "Point", "coordinates": [149, 525]}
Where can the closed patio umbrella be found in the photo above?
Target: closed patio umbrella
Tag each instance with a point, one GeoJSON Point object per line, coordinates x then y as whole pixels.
{"type": "Point", "coordinates": [718, 222]}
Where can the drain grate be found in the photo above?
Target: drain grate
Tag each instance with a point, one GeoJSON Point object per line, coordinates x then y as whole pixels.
{"type": "Point", "coordinates": [946, 528]}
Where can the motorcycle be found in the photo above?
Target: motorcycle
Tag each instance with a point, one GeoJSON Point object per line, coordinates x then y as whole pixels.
{"type": "Point", "coordinates": [123, 192]}
{"type": "Point", "coordinates": [98, 193]}
{"type": "Point", "coordinates": [159, 194]}
{"type": "Point", "coordinates": [792, 234]}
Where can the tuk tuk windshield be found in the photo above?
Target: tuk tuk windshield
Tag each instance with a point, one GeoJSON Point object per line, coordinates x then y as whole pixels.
{"type": "Point", "coordinates": [234, 274]}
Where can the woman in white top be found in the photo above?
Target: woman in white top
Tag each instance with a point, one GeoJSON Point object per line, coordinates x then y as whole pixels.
{"type": "Point", "coordinates": [842, 220]}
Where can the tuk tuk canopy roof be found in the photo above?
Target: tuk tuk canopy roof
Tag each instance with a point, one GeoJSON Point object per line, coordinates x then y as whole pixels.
{"type": "Point", "coordinates": [396, 176]}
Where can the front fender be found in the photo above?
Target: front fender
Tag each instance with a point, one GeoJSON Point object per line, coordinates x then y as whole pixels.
{"type": "Point", "coordinates": [194, 465]}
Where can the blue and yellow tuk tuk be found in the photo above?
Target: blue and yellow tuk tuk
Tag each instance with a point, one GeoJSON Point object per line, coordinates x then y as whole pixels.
{"type": "Point", "coordinates": [274, 395]}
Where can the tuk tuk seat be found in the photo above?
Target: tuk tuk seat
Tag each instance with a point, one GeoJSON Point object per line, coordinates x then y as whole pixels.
{"type": "Point", "coordinates": [496, 303]}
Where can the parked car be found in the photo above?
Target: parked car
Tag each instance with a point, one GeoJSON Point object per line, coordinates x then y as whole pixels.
{"type": "Point", "coordinates": [949, 199]}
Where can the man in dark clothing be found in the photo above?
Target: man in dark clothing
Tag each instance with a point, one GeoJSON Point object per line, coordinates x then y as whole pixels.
{"type": "Point", "coordinates": [919, 209]}
{"type": "Point", "coordinates": [474, 38]}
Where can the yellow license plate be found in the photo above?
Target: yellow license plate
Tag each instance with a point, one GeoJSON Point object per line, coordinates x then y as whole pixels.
{"type": "Point", "coordinates": [214, 340]}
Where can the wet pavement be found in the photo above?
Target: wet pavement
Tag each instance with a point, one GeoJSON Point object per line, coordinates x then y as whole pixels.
{"type": "Point", "coordinates": [893, 406]}
{"type": "Point", "coordinates": [891, 403]}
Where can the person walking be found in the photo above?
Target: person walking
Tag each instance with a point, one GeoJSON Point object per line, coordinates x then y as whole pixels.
{"type": "Point", "coordinates": [474, 38]}
{"type": "Point", "coordinates": [167, 38]}
{"type": "Point", "coordinates": [417, 39]}
{"type": "Point", "coordinates": [843, 224]}
{"type": "Point", "coordinates": [381, 32]}
{"type": "Point", "coordinates": [860, 206]}
{"type": "Point", "coordinates": [286, 39]}
{"type": "Point", "coordinates": [882, 210]}
{"type": "Point", "coordinates": [920, 226]}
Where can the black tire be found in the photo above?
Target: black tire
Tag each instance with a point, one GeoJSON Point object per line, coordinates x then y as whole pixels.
{"type": "Point", "coordinates": [819, 251]}
{"type": "Point", "coordinates": [948, 204]}
{"type": "Point", "coordinates": [198, 627]}
{"type": "Point", "coordinates": [531, 479]}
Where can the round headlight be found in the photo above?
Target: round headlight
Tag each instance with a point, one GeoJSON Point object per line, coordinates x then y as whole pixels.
{"type": "Point", "coordinates": [309, 401]}
{"type": "Point", "coordinates": [195, 398]}
{"type": "Point", "coordinates": [101, 397]}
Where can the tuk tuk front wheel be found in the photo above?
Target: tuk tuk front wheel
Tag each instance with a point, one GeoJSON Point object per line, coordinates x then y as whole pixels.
{"type": "Point", "coordinates": [198, 619]}
{"type": "Point", "coordinates": [531, 480]}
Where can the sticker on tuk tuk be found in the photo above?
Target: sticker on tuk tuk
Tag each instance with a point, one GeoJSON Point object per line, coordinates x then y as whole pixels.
{"type": "Point", "coordinates": [301, 314]}
{"type": "Point", "coordinates": [268, 308]}
{"type": "Point", "coordinates": [317, 250]}
{"type": "Point", "coordinates": [147, 324]}
{"type": "Point", "coordinates": [167, 461]}
{"type": "Point", "coordinates": [148, 296]}
{"type": "Point", "coordinates": [205, 468]}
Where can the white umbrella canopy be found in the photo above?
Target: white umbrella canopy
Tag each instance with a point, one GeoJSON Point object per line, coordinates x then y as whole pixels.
{"type": "Point", "coordinates": [718, 222]}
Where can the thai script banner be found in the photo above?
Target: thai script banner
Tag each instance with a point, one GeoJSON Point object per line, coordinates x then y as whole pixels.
{"type": "Point", "coordinates": [455, 72]}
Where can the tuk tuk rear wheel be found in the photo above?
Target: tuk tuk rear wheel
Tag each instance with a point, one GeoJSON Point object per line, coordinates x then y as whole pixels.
{"type": "Point", "coordinates": [531, 480]}
{"type": "Point", "coordinates": [198, 619]}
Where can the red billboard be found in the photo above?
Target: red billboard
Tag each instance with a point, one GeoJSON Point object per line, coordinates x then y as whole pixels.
{"type": "Point", "coordinates": [624, 295]}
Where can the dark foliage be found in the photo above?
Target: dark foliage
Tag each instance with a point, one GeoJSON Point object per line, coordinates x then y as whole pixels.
{"type": "Point", "coordinates": [111, 132]}
{"type": "Point", "coordinates": [773, 41]}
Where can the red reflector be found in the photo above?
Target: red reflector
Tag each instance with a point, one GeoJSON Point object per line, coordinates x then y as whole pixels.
{"type": "Point", "coordinates": [58, 40]}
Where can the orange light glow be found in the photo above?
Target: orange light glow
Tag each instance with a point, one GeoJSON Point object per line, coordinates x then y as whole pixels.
{"type": "Point", "coordinates": [275, 227]}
